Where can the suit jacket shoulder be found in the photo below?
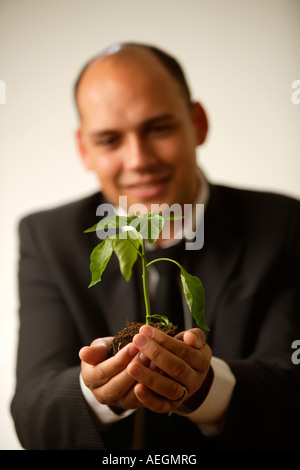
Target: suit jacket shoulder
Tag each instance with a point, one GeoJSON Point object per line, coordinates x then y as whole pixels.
{"type": "Point", "coordinates": [78, 212]}
{"type": "Point", "coordinates": [256, 215]}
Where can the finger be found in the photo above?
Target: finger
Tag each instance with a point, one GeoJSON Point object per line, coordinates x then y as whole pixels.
{"type": "Point", "coordinates": [93, 354]}
{"type": "Point", "coordinates": [194, 337]}
{"type": "Point", "coordinates": [152, 366]}
{"type": "Point", "coordinates": [100, 374]}
{"type": "Point", "coordinates": [96, 352]}
{"type": "Point", "coordinates": [118, 391]}
{"type": "Point", "coordinates": [154, 402]}
{"type": "Point", "coordinates": [171, 364]}
{"type": "Point", "coordinates": [144, 360]}
{"type": "Point", "coordinates": [161, 385]}
{"type": "Point", "coordinates": [180, 335]}
{"type": "Point", "coordinates": [160, 348]}
{"type": "Point", "coordinates": [105, 341]}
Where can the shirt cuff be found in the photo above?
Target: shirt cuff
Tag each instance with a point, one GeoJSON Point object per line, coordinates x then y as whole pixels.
{"type": "Point", "coordinates": [103, 412]}
{"type": "Point", "coordinates": [211, 413]}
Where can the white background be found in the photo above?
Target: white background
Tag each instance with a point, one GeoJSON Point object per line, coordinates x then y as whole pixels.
{"type": "Point", "coordinates": [240, 56]}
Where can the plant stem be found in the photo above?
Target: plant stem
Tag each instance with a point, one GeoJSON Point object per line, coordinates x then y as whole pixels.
{"type": "Point", "coordinates": [145, 285]}
{"type": "Point", "coordinates": [163, 259]}
{"type": "Point", "coordinates": [145, 265]}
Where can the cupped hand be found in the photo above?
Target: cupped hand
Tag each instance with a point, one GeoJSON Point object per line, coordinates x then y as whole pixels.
{"type": "Point", "coordinates": [107, 377]}
{"type": "Point", "coordinates": [179, 367]}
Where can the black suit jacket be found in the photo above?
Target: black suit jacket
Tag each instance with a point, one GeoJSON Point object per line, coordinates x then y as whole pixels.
{"type": "Point", "coordinates": [249, 266]}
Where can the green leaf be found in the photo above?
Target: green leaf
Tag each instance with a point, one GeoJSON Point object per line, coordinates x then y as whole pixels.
{"type": "Point", "coordinates": [114, 221]}
{"type": "Point", "coordinates": [172, 217]}
{"type": "Point", "coordinates": [99, 258]}
{"type": "Point", "coordinates": [149, 226]}
{"type": "Point", "coordinates": [162, 319]}
{"type": "Point", "coordinates": [195, 297]}
{"type": "Point", "coordinates": [91, 229]}
{"type": "Point", "coordinates": [126, 247]}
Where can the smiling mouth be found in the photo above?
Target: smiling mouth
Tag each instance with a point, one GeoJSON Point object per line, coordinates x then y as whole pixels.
{"type": "Point", "coordinates": [147, 189]}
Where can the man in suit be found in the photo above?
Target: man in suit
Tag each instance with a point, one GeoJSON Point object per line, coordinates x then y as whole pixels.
{"type": "Point", "coordinates": [234, 387]}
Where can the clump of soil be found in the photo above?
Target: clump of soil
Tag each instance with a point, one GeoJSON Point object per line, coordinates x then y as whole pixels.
{"type": "Point", "coordinates": [126, 335]}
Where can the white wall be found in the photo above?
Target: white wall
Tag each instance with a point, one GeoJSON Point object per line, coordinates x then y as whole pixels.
{"type": "Point", "coordinates": [241, 57]}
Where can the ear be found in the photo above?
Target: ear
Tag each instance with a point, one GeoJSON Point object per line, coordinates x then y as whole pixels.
{"type": "Point", "coordinates": [82, 150]}
{"type": "Point", "coordinates": [200, 121]}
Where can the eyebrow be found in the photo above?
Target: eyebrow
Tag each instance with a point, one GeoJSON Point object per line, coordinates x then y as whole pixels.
{"type": "Point", "coordinates": [162, 117]}
{"type": "Point", "coordinates": [145, 124]}
{"type": "Point", "coordinates": [105, 133]}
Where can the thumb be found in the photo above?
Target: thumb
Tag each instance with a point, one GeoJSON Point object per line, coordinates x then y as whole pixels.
{"type": "Point", "coordinates": [97, 352]}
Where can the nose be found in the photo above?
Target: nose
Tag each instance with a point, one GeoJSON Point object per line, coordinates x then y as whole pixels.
{"type": "Point", "coordinates": [137, 155]}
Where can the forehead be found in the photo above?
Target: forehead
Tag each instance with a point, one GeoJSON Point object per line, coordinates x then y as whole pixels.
{"type": "Point", "coordinates": [126, 78]}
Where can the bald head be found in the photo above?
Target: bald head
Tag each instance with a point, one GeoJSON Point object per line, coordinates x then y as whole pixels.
{"type": "Point", "coordinates": [142, 55]}
{"type": "Point", "coordinates": [138, 128]}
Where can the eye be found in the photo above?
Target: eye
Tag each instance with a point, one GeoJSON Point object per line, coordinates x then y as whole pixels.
{"type": "Point", "coordinates": [107, 141]}
{"type": "Point", "coordinates": [161, 129]}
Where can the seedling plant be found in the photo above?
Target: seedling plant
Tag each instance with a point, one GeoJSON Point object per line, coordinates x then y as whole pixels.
{"type": "Point", "coordinates": [128, 242]}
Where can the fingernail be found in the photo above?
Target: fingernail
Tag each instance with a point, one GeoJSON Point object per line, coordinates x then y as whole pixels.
{"type": "Point", "coordinates": [140, 340]}
{"type": "Point", "coordinates": [136, 370]}
{"type": "Point", "coordinates": [132, 350]}
{"type": "Point", "coordinates": [147, 331]}
{"type": "Point", "coordinates": [143, 359]}
{"type": "Point", "coordinates": [140, 391]}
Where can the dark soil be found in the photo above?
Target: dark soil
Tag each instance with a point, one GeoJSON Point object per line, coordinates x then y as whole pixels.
{"type": "Point", "coordinates": [126, 335]}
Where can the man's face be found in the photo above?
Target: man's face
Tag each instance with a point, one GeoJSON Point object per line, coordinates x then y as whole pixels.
{"type": "Point", "coordinates": [137, 131]}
